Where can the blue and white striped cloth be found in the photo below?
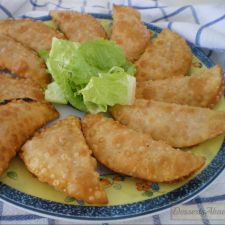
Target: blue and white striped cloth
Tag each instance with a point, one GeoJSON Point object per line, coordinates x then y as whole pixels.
{"type": "Point", "coordinates": [202, 22]}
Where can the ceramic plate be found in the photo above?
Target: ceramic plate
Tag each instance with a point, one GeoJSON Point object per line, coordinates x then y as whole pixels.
{"type": "Point", "coordinates": [128, 197]}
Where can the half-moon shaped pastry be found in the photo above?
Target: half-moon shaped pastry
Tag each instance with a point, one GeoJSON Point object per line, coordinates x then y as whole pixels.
{"type": "Point", "coordinates": [202, 90]}
{"type": "Point", "coordinates": [19, 119]}
{"type": "Point", "coordinates": [178, 125]}
{"type": "Point", "coordinates": [129, 32]}
{"type": "Point", "coordinates": [33, 34]}
{"type": "Point", "coordinates": [78, 26]}
{"type": "Point", "coordinates": [22, 61]}
{"type": "Point", "coordinates": [11, 88]}
{"type": "Point", "coordinates": [126, 151]}
{"type": "Point", "coordinates": [168, 56]}
{"type": "Point", "coordinates": [60, 156]}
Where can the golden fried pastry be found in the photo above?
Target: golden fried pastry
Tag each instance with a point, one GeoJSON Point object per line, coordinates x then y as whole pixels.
{"type": "Point", "coordinates": [33, 34]}
{"type": "Point", "coordinates": [129, 32]}
{"type": "Point", "coordinates": [178, 125]}
{"type": "Point", "coordinates": [78, 26]}
{"type": "Point", "coordinates": [202, 90]}
{"type": "Point", "coordinates": [11, 88]}
{"type": "Point", "coordinates": [18, 120]}
{"type": "Point", "coordinates": [126, 151]}
{"type": "Point", "coordinates": [22, 61]}
{"type": "Point", "coordinates": [60, 156]}
{"type": "Point", "coordinates": [168, 56]}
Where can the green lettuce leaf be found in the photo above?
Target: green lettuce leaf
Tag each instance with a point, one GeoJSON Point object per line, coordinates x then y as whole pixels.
{"type": "Point", "coordinates": [105, 54]}
{"type": "Point", "coordinates": [114, 87]}
{"type": "Point", "coordinates": [62, 58]}
{"type": "Point", "coordinates": [43, 54]}
{"type": "Point", "coordinates": [72, 66]}
{"type": "Point", "coordinates": [102, 54]}
{"type": "Point", "coordinates": [54, 94]}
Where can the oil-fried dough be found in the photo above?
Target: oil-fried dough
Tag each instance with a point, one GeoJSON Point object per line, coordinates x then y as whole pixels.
{"type": "Point", "coordinates": [18, 120]}
{"type": "Point", "coordinates": [33, 34]}
{"type": "Point", "coordinates": [126, 151]}
{"type": "Point", "coordinates": [202, 90]}
{"type": "Point", "coordinates": [60, 156]}
{"type": "Point", "coordinates": [22, 61]}
{"type": "Point", "coordinates": [11, 88]}
{"type": "Point", "coordinates": [78, 26]}
{"type": "Point", "coordinates": [178, 125]}
{"type": "Point", "coordinates": [168, 56]}
{"type": "Point", "coordinates": [129, 32]}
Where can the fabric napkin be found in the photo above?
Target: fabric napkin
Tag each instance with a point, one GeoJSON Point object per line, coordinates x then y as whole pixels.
{"type": "Point", "coordinates": [201, 22]}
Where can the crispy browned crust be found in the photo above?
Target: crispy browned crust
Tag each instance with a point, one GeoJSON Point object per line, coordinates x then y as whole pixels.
{"type": "Point", "coordinates": [126, 151]}
{"type": "Point", "coordinates": [11, 88]}
{"type": "Point", "coordinates": [203, 90]}
{"type": "Point", "coordinates": [33, 34]}
{"type": "Point", "coordinates": [22, 61]}
{"type": "Point", "coordinates": [60, 156]}
{"type": "Point", "coordinates": [19, 119]}
{"type": "Point", "coordinates": [168, 56]}
{"type": "Point", "coordinates": [79, 27]}
{"type": "Point", "coordinates": [178, 125]}
{"type": "Point", "coordinates": [220, 90]}
{"type": "Point", "coordinates": [129, 32]}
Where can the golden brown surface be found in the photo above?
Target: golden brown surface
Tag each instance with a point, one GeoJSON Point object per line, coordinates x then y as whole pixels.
{"type": "Point", "coordinates": [167, 56]}
{"type": "Point", "coordinates": [19, 120]}
{"type": "Point", "coordinates": [178, 125]}
{"type": "Point", "coordinates": [78, 26]}
{"type": "Point", "coordinates": [60, 156]}
{"type": "Point", "coordinates": [129, 32]}
{"type": "Point", "coordinates": [202, 90]}
{"type": "Point", "coordinates": [126, 151]}
{"type": "Point", "coordinates": [11, 88]}
{"type": "Point", "coordinates": [33, 34]}
{"type": "Point", "coordinates": [22, 61]}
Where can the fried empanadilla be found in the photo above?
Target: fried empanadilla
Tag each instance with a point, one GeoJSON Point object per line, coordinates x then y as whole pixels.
{"type": "Point", "coordinates": [19, 119]}
{"type": "Point", "coordinates": [202, 90]}
{"type": "Point", "coordinates": [126, 151]}
{"type": "Point", "coordinates": [60, 156]}
{"type": "Point", "coordinates": [178, 125]}
{"type": "Point", "coordinates": [129, 32]}
{"type": "Point", "coordinates": [78, 27]}
{"type": "Point", "coordinates": [168, 56]}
